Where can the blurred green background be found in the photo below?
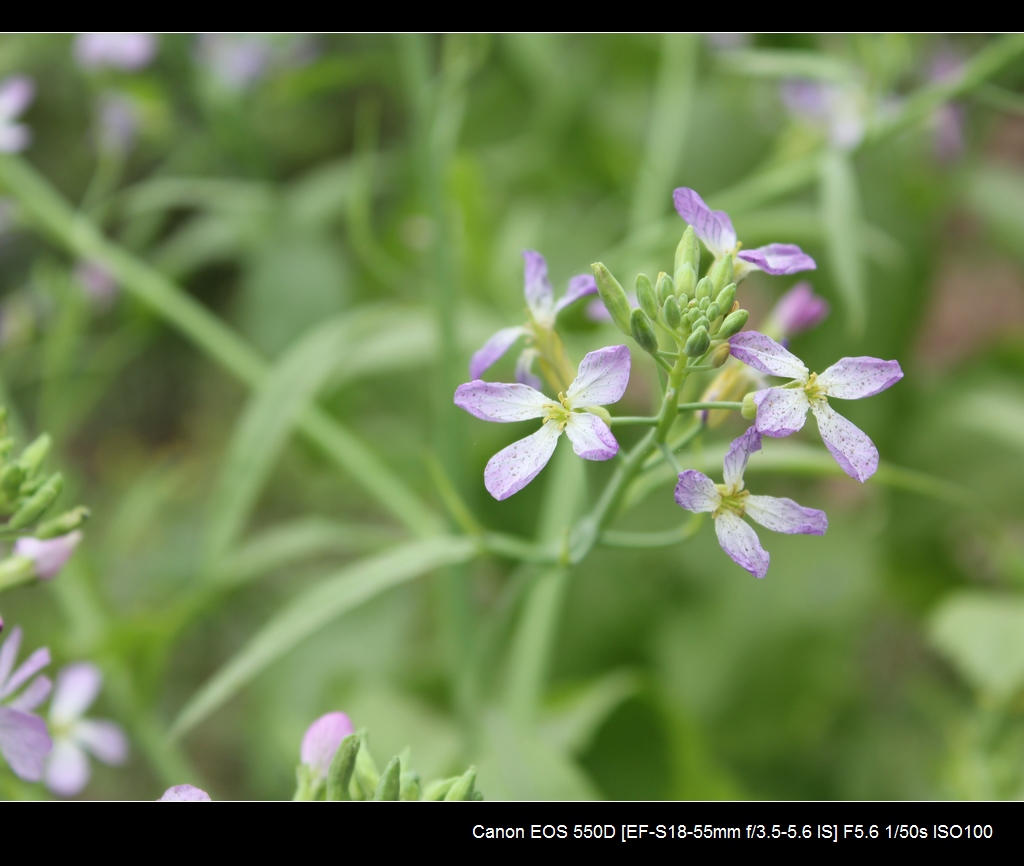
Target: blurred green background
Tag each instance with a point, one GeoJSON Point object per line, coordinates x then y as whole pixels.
{"type": "Point", "coordinates": [354, 210]}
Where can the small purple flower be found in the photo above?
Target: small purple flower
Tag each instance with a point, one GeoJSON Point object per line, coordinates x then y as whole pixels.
{"type": "Point", "coordinates": [127, 51]}
{"type": "Point", "coordinates": [543, 308]}
{"type": "Point", "coordinates": [782, 411]}
{"type": "Point", "coordinates": [24, 741]}
{"type": "Point", "coordinates": [236, 61]}
{"type": "Point", "coordinates": [601, 379]}
{"type": "Point", "coordinates": [715, 229]}
{"type": "Point", "coordinates": [797, 311]}
{"type": "Point", "coordinates": [50, 554]}
{"type": "Point", "coordinates": [97, 282]}
{"type": "Point", "coordinates": [838, 110]}
{"type": "Point", "coordinates": [184, 794]}
{"type": "Point", "coordinates": [67, 769]}
{"type": "Point", "coordinates": [321, 741]}
{"type": "Point", "coordinates": [729, 502]}
{"type": "Point", "coordinates": [16, 94]}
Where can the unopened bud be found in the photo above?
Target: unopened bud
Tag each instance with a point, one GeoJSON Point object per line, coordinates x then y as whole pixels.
{"type": "Point", "coordinates": [643, 331]}
{"type": "Point", "coordinates": [720, 355]}
{"type": "Point", "coordinates": [463, 787]}
{"type": "Point", "coordinates": [646, 295]}
{"type": "Point", "coordinates": [705, 288]}
{"type": "Point", "coordinates": [410, 787]}
{"type": "Point", "coordinates": [666, 288]}
{"type": "Point", "coordinates": [702, 322]}
{"type": "Point", "coordinates": [712, 311]}
{"type": "Point", "coordinates": [686, 280]}
{"type": "Point", "coordinates": [687, 253]}
{"type": "Point", "coordinates": [439, 789]}
{"type": "Point", "coordinates": [749, 410]}
{"type": "Point", "coordinates": [703, 304]}
{"type": "Point", "coordinates": [692, 315]}
{"type": "Point", "coordinates": [673, 315]}
{"type": "Point", "coordinates": [37, 503]}
{"type": "Point", "coordinates": [342, 765]}
{"type": "Point", "coordinates": [733, 324]}
{"type": "Point", "coordinates": [721, 273]}
{"type": "Point", "coordinates": [613, 296]}
{"type": "Point", "coordinates": [725, 297]}
{"type": "Point", "coordinates": [67, 522]}
{"type": "Point", "coordinates": [10, 480]}
{"type": "Point", "coordinates": [697, 344]}
{"type": "Point", "coordinates": [390, 781]}
{"type": "Point", "coordinates": [34, 454]}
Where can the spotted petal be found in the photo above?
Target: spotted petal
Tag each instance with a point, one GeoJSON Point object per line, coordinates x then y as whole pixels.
{"type": "Point", "coordinates": [855, 378]}
{"type": "Point", "coordinates": [537, 287]}
{"type": "Point", "coordinates": [496, 401]}
{"type": "Point", "coordinates": [602, 377]}
{"type": "Point", "coordinates": [784, 515]}
{"type": "Point", "coordinates": [580, 286]}
{"type": "Point", "coordinates": [780, 411]}
{"type": "Point", "coordinates": [736, 459]}
{"type": "Point", "coordinates": [24, 743]}
{"type": "Point", "coordinates": [493, 349]}
{"type": "Point", "coordinates": [712, 226]}
{"type": "Point", "coordinates": [185, 794]}
{"type": "Point", "coordinates": [696, 492]}
{"type": "Point", "coordinates": [741, 543]}
{"type": "Point", "coordinates": [512, 468]}
{"type": "Point", "coordinates": [763, 353]}
{"type": "Point", "coordinates": [779, 259]}
{"type": "Point", "coordinates": [851, 447]}
{"type": "Point", "coordinates": [591, 439]}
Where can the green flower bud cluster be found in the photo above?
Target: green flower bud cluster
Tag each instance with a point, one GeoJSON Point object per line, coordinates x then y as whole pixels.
{"type": "Point", "coordinates": [699, 313]}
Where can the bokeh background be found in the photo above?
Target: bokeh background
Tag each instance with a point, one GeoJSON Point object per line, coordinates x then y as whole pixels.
{"type": "Point", "coordinates": [354, 209]}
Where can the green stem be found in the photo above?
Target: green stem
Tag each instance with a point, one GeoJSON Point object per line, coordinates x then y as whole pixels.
{"type": "Point", "coordinates": [634, 421]}
{"type": "Point", "coordinates": [694, 407]}
{"type": "Point", "coordinates": [633, 540]}
{"type": "Point", "coordinates": [80, 237]}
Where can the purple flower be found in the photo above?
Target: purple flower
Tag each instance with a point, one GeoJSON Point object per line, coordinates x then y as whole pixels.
{"type": "Point", "coordinates": [601, 379]}
{"type": "Point", "coordinates": [49, 555]}
{"type": "Point", "coordinates": [184, 794]}
{"type": "Point", "coordinates": [729, 502]}
{"type": "Point", "coordinates": [24, 742]}
{"type": "Point", "coordinates": [321, 741]}
{"type": "Point", "coordinates": [543, 308]}
{"type": "Point", "coordinates": [16, 94]}
{"type": "Point", "coordinates": [715, 229]}
{"type": "Point", "coordinates": [97, 282]}
{"type": "Point", "coordinates": [67, 770]}
{"type": "Point", "coordinates": [838, 110]}
{"type": "Point", "coordinates": [128, 51]}
{"type": "Point", "coordinates": [797, 311]}
{"type": "Point", "coordinates": [781, 411]}
{"type": "Point", "coordinates": [236, 61]}
{"type": "Point", "coordinates": [118, 123]}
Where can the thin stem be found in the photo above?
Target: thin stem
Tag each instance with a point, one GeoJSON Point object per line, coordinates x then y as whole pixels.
{"type": "Point", "coordinates": [634, 421]}
{"type": "Point", "coordinates": [694, 407]}
{"type": "Point", "coordinates": [670, 457]}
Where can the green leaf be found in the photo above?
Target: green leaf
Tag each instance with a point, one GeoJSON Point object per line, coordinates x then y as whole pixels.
{"type": "Point", "coordinates": [786, 64]}
{"type": "Point", "coordinates": [996, 194]}
{"type": "Point", "coordinates": [571, 722]}
{"type": "Point", "coordinates": [315, 608]}
{"type": "Point", "coordinates": [840, 205]}
{"type": "Point", "coordinates": [982, 634]}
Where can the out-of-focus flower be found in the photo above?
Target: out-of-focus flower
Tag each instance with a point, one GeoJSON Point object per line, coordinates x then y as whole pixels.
{"type": "Point", "coordinates": [796, 311]}
{"type": "Point", "coordinates": [236, 61]}
{"type": "Point", "coordinates": [97, 282]}
{"type": "Point", "coordinates": [840, 111]}
{"type": "Point", "coordinates": [16, 94]}
{"type": "Point", "coordinates": [543, 310]}
{"type": "Point", "coordinates": [67, 769]}
{"type": "Point", "coordinates": [118, 123]}
{"type": "Point", "coordinates": [729, 502]}
{"type": "Point", "coordinates": [24, 742]}
{"type": "Point", "coordinates": [948, 119]}
{"type": "Point", "coordinates": [128, 51]}
{"type": "Point", "coordinates": [782, 411]}
{"type": "Point", "coordinates": [184, 794]}
{"type": "Point", "coordinates": [321, 741]}
{"type": "Point", "coordinates": [602, 379]}
{"type": "Point", "coordinates": [715, 229]}
{"type": "Point", "coordinates": [50, 554]}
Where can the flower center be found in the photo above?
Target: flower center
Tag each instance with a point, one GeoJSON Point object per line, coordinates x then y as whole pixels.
{"type": "Point", "coordinates": [732, 500]}
{"type": "Point", "coordinates": [813, 390]}
{"type": "Point", "coordinates": [558, 413]}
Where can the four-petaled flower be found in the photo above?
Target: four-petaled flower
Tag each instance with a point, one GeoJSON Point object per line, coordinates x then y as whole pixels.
{"type": "Point", "coordinates": [24, 742]}
{"type": "Point", "coordinates": [782, 411]}
{"type": "Point", "coordinates": [543, 309]}
{"type": "Point", "coordinates": [729, 502]}
{"type": "Point", "coordinates": [16, 94]}
{"type": "Point", "coordinates": [601, 379]}
{"type": "Point", "coordinates": [715, 229]}
{"type": "Point", "coordinates": [67, 770]}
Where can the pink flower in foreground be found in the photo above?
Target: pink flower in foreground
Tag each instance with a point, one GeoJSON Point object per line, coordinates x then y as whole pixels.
{"type": "Point", "coordinates": [184, 794]}
{"type": "Point", "coordinates": [729, 502]}
{"type": "Point", "coordinates": [321, 741]}
{"type": "Point", "coordinates": [24, 742]}
{"type": "Point", "coordinates": [49, 554]}
{"type": "Point", "coordinates": [601, 379]}
{"type": "Point", "coordinates": [782, 411]}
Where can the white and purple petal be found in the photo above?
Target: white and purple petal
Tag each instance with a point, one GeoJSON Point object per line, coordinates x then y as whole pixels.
{"type": "Point", "coordinates": [591, 439]}
{"type": "Point", "coordinates": [77, 687]}
{"type": "Point", "coordinates": [493, 349]}
{"type": "Point", "coordinates": [855, 378]}
{"type": "Point", "coordinates": [763, 353]}
{"type": "Point", "coordinates": [16, 94]}
{"type": "Point", "coordinates": [29, 668]}
{"type": "Point", "coordinates": [321, 741]}
{"type": "Point", "coordinates": [24, 743]}
{"type": "Point", "coordinates": [184, 794]}
{"type": "Point", "coordinates": [14, 137]}
{"type": "Point", "coordinates": [512, 468]}
{"type": "Point", "coordinates": [105, 740]}
{"type": "Point", "coordinates": [850, 445]}
{"type": "Point", "coordinates": [696, 492]}
{"type": "Point", "coordinates": [784, 515]}
{"type": "Point", "coordinates": [779, 259]}
{"type": "Point", "coordinates": [9, 654]}
{"type": "Point", "coordinates": [741, 543]}
{"type": "Point", "coordinates": [738, 455]}
{"type": "Point", "coordinates": [540, 297]}
{"type": "Point", "coordinates": [780, 411]}
{"type": "Point", "coordinates": [67, 769]}
{"type": "Point", "coordinates": [712, 226]}
{"type": "Point", "coordinates": [32, 696]}
{"type": "Point", "coordinates": [602, 377]}
{"type": "Point", "coordinates": [580, 286]}
{"type": "Point", "coordinates": [524, 369]}
{"type": "Point", "coordinates": [497, 401]}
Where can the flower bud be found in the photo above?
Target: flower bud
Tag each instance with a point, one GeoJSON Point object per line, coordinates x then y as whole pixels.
{"type": "Point", "coordinates": [390, 782]}
{"type": "Point", "coordinates": [703, 304]}
{"type": "Point", "coordinates": [321, 741]}
{"type": "Point", "coordinates": [409, 789]}
{"type": "Point", "coordinates": [705, 288]}
{"type": "Point", "coordinates": [614, 297]}
{"type": "Point", "coordinates": [643, 331]}
{"type": "Point", "coordinates": [34, 454]}
{"type": "Point", "coordinates": [463, 787]}
{"type": "Point", "coordinates": [339, 774]}
{"type": "Point", "coordinates": [721, 273]}
{"type": "Point", "coordinates": [64, 523]}
{"type": "Point", "coordinates": [646, 295]}
{"type": "Point", "coordinates": [733, 324]}
{"type": "Point", "coordinates": [11, 478]}
{"type": "Point", "coordinates": [666, 288]}
{"type": "Point", "coordinates": [698, 343]}
{"type": "Point", "coordinates": [686, 279]}
{"type": "Point", "coordinates": [712, 312]}
{"type": "Point", "coordinates": [692, 314]}
{"type": "Point", "coordinates": [726, 297]}
{"type": "Point", "coordinates": [673, 315]}
{"type": "Point", "coordinates": [687, 253]}
{"type": "Point", "coordinates": [720, 355]}
{"type": "Point", "coordinates": [702, 322]}
{"type": "Point", "coordinates": [48, 556]}
{"type": "Point", "coordinates": [37, 503]}
{"type": "Point", "coordinates": [749, 410]}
